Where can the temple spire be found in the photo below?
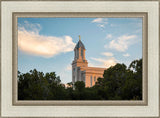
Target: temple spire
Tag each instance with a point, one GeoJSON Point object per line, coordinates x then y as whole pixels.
{"type": "Point", "coordinates": [79, 44]}
{"type": "Point", "coordinates": [79, 37]}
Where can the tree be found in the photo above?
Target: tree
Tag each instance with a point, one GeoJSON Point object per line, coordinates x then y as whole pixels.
{"type": "Point", "coordinates": [118, 83]}
{"type": "Point", "coordinates": [34, 85]}
{"type": "Point", "coordinates": [79, 85]}
{"type": "Point", "coordinates": [109, 87]}
{"type": "Point", "coordinates": [70, 84]}
{"type": "Point", "coordinates": [135, 81]}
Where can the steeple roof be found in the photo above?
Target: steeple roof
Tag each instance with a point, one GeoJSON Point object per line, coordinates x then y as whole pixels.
{"type": "Point", "coordinates": [80, 44]}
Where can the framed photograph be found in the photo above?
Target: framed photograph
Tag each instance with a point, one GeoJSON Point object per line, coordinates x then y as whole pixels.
{"type": "Point", "coordinates": [80, 59]}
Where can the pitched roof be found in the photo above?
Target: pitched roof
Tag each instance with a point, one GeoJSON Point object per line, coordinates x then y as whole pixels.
{"type": "Point", "coordinates": [80, 44]}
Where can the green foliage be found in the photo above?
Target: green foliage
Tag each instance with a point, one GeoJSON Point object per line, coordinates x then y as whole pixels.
{"type": "Point", "coordinates": [118, 83]}
{"type": "Point", "coordinates": [79, 86]}
{"type": "Point", "coordinates": [35, 85]}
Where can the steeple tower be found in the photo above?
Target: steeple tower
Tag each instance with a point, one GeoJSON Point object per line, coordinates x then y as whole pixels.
{"type": "Point", "coordinates": [79, 60]}
{"type": "Point", "coordinates": [80, 69]}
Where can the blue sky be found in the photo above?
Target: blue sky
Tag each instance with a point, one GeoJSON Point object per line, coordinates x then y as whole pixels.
{"type": "Point", "coordinates": [47, 44]}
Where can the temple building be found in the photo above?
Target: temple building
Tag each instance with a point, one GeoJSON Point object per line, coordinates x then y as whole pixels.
{"type": "Point", "coordinates": [80, 69]}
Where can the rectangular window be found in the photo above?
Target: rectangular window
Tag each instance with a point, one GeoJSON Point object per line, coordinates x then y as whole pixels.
{"type": "Point", "coordinates": [82, 53]}
{"type": "Point", "coordinates": [91, 81]}
{"type": "Point", "coordinates": [94, 78]}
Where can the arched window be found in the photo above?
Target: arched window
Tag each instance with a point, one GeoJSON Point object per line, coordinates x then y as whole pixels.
{"type": "Point", "coordinates": [94, 78]}
{"type": "Point", "coordinates": [82, 53]}
{"type": "Point", "coordinates": [91, 81]}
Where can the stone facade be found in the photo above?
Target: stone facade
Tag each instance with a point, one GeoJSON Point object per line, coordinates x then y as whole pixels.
{"type": "Point", "coordinates": [80, 69]}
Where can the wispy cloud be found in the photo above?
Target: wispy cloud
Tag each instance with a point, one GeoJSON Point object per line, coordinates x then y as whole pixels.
{"type": "Point", "coordinates": [31, 42]}
{"type": "Point", "coordinates": [69, 67]}
{"type": "Point", "coordinates": [139, 30]}
{"type": "Point", "coordinates": [101, 25]}
{"type": "Point", "coordinates": [30, 27]}
{"type": "Point", "coordinates": [109, 36]}
{"type": "Point", "coordinates": [113, 25]}
{"type": "Point", "coordinates": [101, 22]}
{"type": "Point", "coordinates": [106, 63]}
{"type": "Point", "coordinates": [126, 55]}
{"type": "Point", "coordinates": [122, 43]}
{"type": "Point", "coordinates": [108, 54]}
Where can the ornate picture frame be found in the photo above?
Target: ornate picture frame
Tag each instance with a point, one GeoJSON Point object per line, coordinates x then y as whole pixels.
{"type": "Point", "coordinates": [11, 107]}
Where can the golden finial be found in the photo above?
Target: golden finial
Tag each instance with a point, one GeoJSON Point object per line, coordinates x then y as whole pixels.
{"type": "Point", "coordinates": [79, 37]}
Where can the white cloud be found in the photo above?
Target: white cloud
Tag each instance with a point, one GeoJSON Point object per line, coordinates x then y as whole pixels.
{"type": "Point", "coordinates": [101, 22]}
{"type": "Point", "coordinates": [69, 67]}
{"type": "Point", "coordinates": [109, 36]}
{"type": "Point", "coordinates": [97, 20]}
{"type": "Point", "coordinates": [31, 42]}
{"type": "Point", "coordinates": [108, 54]}
{"type": "Point", "coordinates": [126, 55]}
{"type": "Point", "coordinates": [122, 43]}
{"type": "Point", "coordinates": [106, 63]}
{"type": "Point", "coordinates": [101, 25]}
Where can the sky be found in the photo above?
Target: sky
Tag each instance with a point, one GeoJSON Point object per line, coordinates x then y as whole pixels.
{"type": "Point", "coordinates": [47, 44]}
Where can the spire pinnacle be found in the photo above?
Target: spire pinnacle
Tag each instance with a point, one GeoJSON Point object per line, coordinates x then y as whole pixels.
{"type": "Point", "coordinates": [79, 37]}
